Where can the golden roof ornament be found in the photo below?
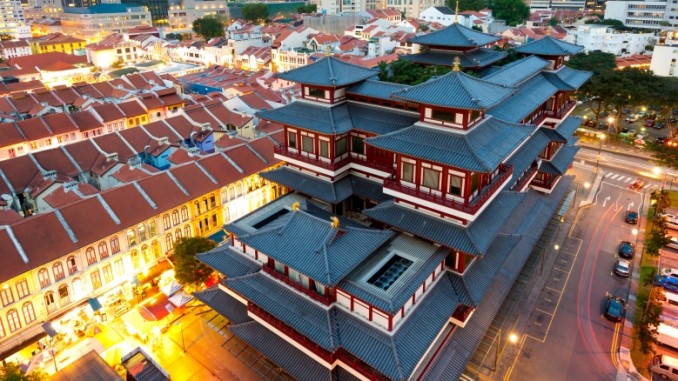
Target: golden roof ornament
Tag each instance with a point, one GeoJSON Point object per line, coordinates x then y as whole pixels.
{"type": "Point", "coordinates": [328, 50]}
{"type": "Point", "coordinates": [456, 12]}
{"type": "Point", "coordinates": [456, 64]}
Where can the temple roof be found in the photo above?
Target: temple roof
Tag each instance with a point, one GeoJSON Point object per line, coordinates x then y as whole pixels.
{"type": "Point", "coordinates": [340, 118]}
{"type": "Point", "coordinates": [455, 35]}
{"type": "Point", "coordinates": [225, 304]}
{"type": "Point", "coordinates": [529, 96]}
{"type": "Point", "coordinates": [332, 192]}
{"type": "Point", "coordinates": [328, 71]}
{"type": "Point", "coordinates": [474, 239]}
{"type": "Point", "coordinates": [563, 159]}
{"type": "Point", "coordinates": [376, 89]}
{"type": "Point", "coordinates": [314, 247]}
{"type": "Point", "coordinates": [457, 90]}
{"type": "Point", "coordinates": [528, 152]}
{"type": "Point", "coordinates": [517, 71]}
{"type": "Point", "coordinates": [229, 262]}
{"type": "Point", "coordinates": [568, 126]}
{"type": "Point", "coordinates": [549, 46]}
{"type": "Point", "coordinates": [482, 149]}
{"type": "Point", "coordinates": [477, 58]}
{"type": "Point", "coordinates": [568, 79]}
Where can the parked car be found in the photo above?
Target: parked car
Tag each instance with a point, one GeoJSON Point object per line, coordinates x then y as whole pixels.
{"type": "Point", "coordinates": [668, 282]}
{"type": "Point", "coordinates": [632, 118]}
{"type": "Point", "coordinates": [659, 125]}
{"type": "Point", "coordinates": [661, 139]}
{"type": "Point", "coordinates": [626, 132]}
{"type": "Point", "coordinates": [649, 123]}
{"type": "Point", "coordinates": [622, 268]}
{"type": "Point", "coordinates": [631, 217]}
{"type": "Point", "coordinates": [615, 308]}
{"type": "Point", "coordinates": [626, 250]}
{"type": "Point", "coordinates": [590, 123]}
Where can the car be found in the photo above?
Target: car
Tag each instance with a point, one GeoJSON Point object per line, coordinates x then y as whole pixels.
{"type": "Point", "coordinates": [669, 283]}
{"type": "Point", "coordinates": [632, 118]}
{"type": "Point", "coordinates": [615, 308]}
{"type": "Point", "coordinates": [626, 250]}
{"type": "Point", "coordinates": [622, 268]}
{"type": "Point", "coordinates": [636, 184]}
{"type": "Point", "coordinates": [668, 216]}
{"type": "Point", "coordinates": [631, 217]}
{"type": "Point", "coordinates": [649, 123]}
{"type": "Point", "coordinates": [661, 139]}
{"type": "Point", "coordinates": [659, 125]}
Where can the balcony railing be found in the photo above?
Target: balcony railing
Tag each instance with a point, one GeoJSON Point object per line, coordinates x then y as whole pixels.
{"type": "Point", "coordinates": [332, 166]}
{"type": "Point", "coordinates": [546, 184]}
{"type": "Point", "coordinates": [310, 293]}
{"type": "Point", "coordinates": [291, 332]}
{"type": "Point", "coordinates": [527, 177]}
{"type": "Point", "coordinates": [564, 109]}
{"type": "Point", "coordinates": [471, 208]}
{"type": "Point", "coordinates": [284, 151]}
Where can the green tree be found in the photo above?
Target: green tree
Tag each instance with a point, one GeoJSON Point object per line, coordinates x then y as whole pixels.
{"type": "Point", "coordinates": [663, 155]}
{"type": "Point", "coordinates": [467, 5]}
{"type": "Point", "coordinates": [596, 62]}
{"type": "Point", "coordinates": [209, 27]}
{"type": "Point", "coordinates": [174, 36]}
{"type": "Point", "coordinates": [188, 270]}
{"type": "Point", "coordinates": [514, 12]}
{"type": "Point", "coordinates": [12, 372]}
{"type": "Point", "coordinates": [553, 21]}
{"type": "Point", "coordinates": [410, 73]}
{"type": "Point", "coordinates": [616, 24]}
{"type": "Point", "coordinates": [646, 327]}
{"type": "Point", "coordinates": [255, 12]}
{"type": "Point", "coordinates": [309, 8]}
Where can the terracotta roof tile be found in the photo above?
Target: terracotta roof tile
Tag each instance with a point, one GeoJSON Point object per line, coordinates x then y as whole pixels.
{"type": "Point", "coordinates": [20, 171]}
{"type": "Point", "coordinates": [60, 123]}
{"type": "Point", "coordinates": [9, 216]}
{"type": "Point", "coordinates": [119, 199]}
{"type": "Point", "coordinates": [221, 169]}
{"type": "Point", "coordinates": [127, 174]}
{"type": "Point", "coordinates": [34, 129]}
{"type": "Point", "coordinates": [247, 160]}
{"type": "Point", "coordinates": [10, 134]}
{"type": "Point", "coordinates": [89, 158]}
{"type": "Point", "coordinates": [67, 94]}
{"type": "Point", "coordinates": [163, 191]}
{"type": "Point", "coordinates": [23, 102]}
{"type": "Point", "coordinates": [193, 179]}
{"type": "Point", "coordinates": [90, 221]}
{"type": "Point", "coordinates": [113, 143]}
{"type": "Point", "coordinates": [108, 112]}
{"type": "Point", "coordinates": [46, 59]}
{"type": "Point", "coordinates": [61, 196]}
{"type": "Point", "coordinates": [86, 121]}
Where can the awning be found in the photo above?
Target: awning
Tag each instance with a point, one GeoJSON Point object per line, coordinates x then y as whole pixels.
{"type": "Point", "coordinates": [47, 326]}
{"type": "Point", "coordinates": [171, 288]}
{"type": "Point", "coordinates": [219, 236]}
{"type": "Point", "coordinates": [180, 298]}
{"type": "Point", "coordinates": [157, 308]}
{"type": "Point", "coordinates": [155, 271]}
{"type": "Point", "coordinates": [94, 303]}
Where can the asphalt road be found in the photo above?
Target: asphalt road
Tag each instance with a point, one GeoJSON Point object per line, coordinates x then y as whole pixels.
{"type": "Point", "coordinates": [567, 337]}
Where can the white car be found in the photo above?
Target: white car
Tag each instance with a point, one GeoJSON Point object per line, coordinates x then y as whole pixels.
{"type": "Point", "coordinates": [632, 118]}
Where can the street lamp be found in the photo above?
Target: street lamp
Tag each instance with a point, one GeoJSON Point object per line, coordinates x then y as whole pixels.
{"type": "Point", "coordinates": [512, 338]}
{"type": "Point", "coordinates": [610, 120]}
{"type": "Point", "coordinates": [600, 147]}
{"type": "Point", "coordinates": [657, 171]}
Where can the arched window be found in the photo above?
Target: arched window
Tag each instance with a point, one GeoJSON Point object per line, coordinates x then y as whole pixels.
{"type": "Point", "coordinates": [142, 232]}
{"type": "Point", "coordinates": [115, 245]}
{"type": "Point", "coordinates": [187, 231]}
{"type": "Point", "coordinates": [50, 302]}
{"type": "Point", "coordinates": [77, 288]}
{"type": "Point", "coordinates": [184, 213]}
{"type": "Point", "coordinates": [155, 248]}
{"type": "Point", "coordinates": [166, 221]}
{"type": "Point", "coordinates": [152, 231]}
{"type": "Point", "coordinates": [238, 189]}
{"type": "Point", "coordinates": [91, 257]}
{"type": "Point", "coordinates": [136, 262]}
{"type": "Point", "coordinates": [231, 192]}
{"type": "Point", "coordinates": [29, 312]}
{"type": "Point", "coordinates": [58, 271]}
{"type": "Point", "coordinates": [13, 320]}
{"type": "Point", "coordinates": [197, 207]}
{"type": "Point", "coordinates": [145, 252]}
{"type": "Point", "coordinates": [175, 218]}
{"type": "Point", "coordinates": [63, 294]}
{"type": "Point", "coordinates": [43, 277]}
{"type": "Point", "coordinates": [70, 264]}
{"type": "Point", "coordinates": [131, 237]}
{"type": "Point", "coordinates": [177, 235]}
{"type": "Point", "coordinates": [103, 250]}
{"type": "Point", "coordinates": [169, 241]}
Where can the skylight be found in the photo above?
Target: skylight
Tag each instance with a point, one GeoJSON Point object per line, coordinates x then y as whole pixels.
{"type": "Point", "coordinates": [390, 272]}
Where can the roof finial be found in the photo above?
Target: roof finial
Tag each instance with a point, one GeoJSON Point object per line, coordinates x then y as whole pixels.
{"type": "Point", "coordinates": [456, 12]}
{"type": "Point", "coordinates": [328, 50]}
{"type": "Point", "coordinates": [335, 222]}
{"type": "Point", "coordinates": [295, 206]}
{"type": "Point", "coordinates": [456, 63]}
{"type": "Point", "coordinates": [548, 30]}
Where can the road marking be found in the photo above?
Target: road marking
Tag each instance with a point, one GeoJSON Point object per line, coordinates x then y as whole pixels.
{"type": "Point", "coordinates": [544, 312]}
{"type": "Point", "coordinates": [615, 176]}
{"type": "Point", "coordinates": [553, 289]}
{"type": "Point", "coordinates": [615, 341]}
{"type": "Point", "coordinates": [608, 174]}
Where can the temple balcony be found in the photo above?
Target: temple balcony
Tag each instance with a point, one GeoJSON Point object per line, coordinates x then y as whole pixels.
{"type": "Point", "coordinates": [333, 168]}
{"type": "Point", "coordinates": [526, 179]}
{"type": "Point", "coordinates": [438, 203]}
{"type": "Point", "coordinates": [462, 315]}
{"type": "Point", "coordinates": [561, 113]}
{"type": "Point", "coordinates": [545, 185]}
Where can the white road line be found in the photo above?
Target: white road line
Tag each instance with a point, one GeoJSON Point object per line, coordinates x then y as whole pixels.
{"type": "Point", "coordinates": [608, 174]}
{"type": "Point", "coordinates": [615, 176]}
{"type": "Point", "coordinates": [628, 180]}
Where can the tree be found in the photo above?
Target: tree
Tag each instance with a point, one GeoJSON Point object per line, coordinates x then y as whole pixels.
{"type": "Point", "coordinates": [616, 24]}
{"type": "Point", "coordinates": [188, 270]}
{"type": "Point", "coordinates": [553, 21]}
{"type": "Point", "coordinates": [309, 8]}
{"type": "Point", "coordinates": [663, 155]}
{"type": "Point", "coordinates": [255, 12]}
{"type": "Point", "coordinates": [514, 12]}
{"type": "Point", "coordinates": [467, 5]}
{"type": "Point", "coordinates": [596, 62]}
{"type": "Point", "coordinates": [12, 372]}
{"type": "Point", "coordinates": [174, 36]}
{"type": "Point", "coordinates": [409, 73]}
{"type": "Point", "coordinates": [646, 327]}
{"type": "Point", "coordinates": [209, 27]}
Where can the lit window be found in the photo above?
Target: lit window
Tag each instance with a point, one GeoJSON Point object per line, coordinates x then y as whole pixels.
{"type": "Point", "coordinates": [91, 257]}
{"type": "Point", "coordinates": [58, 271]}
{"type": "Point", "coordinates": [103, 250]}
{"type": "Point", "coordinates": [407, 172]}
{"type": "Point", "coordinates": [13, 320]}
{"type": "Point", "coordinates": [6, 296]}
{"type": "Point", "coordinates": [43, 277]}
{"type": "Point", "coordinates": [29, 312]}
{"type": "Point", "coordinates": [431, 178]}
{"type": "Point", "coordinates": [22, 289]}
{"type": "Point", "coordinates": [455, 185]}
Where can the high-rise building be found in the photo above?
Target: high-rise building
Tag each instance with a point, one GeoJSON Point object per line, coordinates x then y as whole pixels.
{"type": "Point", "coordinates": [158, 8]}
{"type": "Point", "coordinates": [415, 208]}
{"type": "Point", "coordinates": [11, 17]}
{"type": "Point", "coordinates": [657, 15]}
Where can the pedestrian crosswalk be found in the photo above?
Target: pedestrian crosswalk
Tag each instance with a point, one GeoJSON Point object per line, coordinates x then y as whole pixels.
{"type": "Point", "coordinates": [632, 181]}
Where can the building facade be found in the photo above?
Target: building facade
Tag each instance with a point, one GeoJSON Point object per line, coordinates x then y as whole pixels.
{"type": "Point", "coordinates": [656, 15]}
{"type": "Point", "coordinates": [96, 22]}
{"type": "Point", "coordinates": [605, 39]}
{"type": "Point", "coordinates": [415, 209]}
